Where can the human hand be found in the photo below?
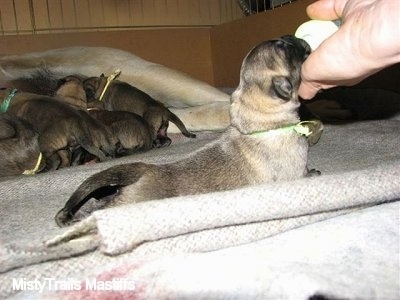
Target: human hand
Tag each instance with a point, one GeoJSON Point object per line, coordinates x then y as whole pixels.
{"type": "Point", "coordinates": [367, 41]}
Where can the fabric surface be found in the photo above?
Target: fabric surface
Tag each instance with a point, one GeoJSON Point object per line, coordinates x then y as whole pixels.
{"type": "Point", "coordinates": [319, 235]}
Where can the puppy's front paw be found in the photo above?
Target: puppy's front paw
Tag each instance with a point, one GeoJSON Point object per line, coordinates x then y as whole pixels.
{"type": "Point", "coordinates": [162, 141]}
{"type": "Point", "coordinates": [189, 135]}
{"type": "Point", "coordinates": [313, 172]}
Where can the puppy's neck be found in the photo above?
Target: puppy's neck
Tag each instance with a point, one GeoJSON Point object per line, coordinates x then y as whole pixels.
{"type": "Point", "coordinates": [250, 114]}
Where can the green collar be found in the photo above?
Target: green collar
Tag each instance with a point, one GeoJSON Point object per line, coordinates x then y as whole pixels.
{"type": "Point", "coordinates": [304, 128]}
{"type": "Point", "coordinates": [6, 102]}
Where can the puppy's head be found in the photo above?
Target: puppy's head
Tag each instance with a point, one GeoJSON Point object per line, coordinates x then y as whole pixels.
{"type": "Point", "coordinates": [266, 97]}
{"type": "Point", "coordinates": [94, 86]}
{"type": "Point", "coordinates": [72, 87]}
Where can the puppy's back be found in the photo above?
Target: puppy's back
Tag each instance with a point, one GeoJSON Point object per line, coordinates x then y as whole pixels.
{"type": "Point", "coordinates": [19, 147]}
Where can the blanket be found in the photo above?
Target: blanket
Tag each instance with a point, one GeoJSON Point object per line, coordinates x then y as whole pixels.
{"type": "Point", "coordinates": [333, 236]}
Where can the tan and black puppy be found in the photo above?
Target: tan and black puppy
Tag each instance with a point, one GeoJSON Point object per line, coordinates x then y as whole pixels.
{"type": "Point", "coordinates": [263, 143]}
{"type": "Point", "coordinates": [121, 96]}
{"type": "Point", "coordinates": [67, 89]}
{"type": "Point", "coordinates": [131, 130]}
{"type": "Point", "coordinates": [70, 91]}
{"type": "Point", "coordinates": [19, 147]}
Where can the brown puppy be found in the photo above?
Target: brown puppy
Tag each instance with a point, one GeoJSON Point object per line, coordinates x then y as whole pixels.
{"type": "Point", "coordinates": [131, 130]}
{"type": "Point", "coordinates": [121, 96]}
{"type": "Point", "coordinates": [19, 147]}
{"type": "Point", "coordinates": [70, 91]}
{"type": "Point", "coordinates": [61, 128]}
{"type": "Point", "coordinates": [264, 143]}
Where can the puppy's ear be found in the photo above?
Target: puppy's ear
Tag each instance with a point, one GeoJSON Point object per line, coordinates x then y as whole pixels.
{"type": "Point", "coordinates": [72, 78]}
{"type": "Point", "coordinates": [90, 91]}
{"type": "Point", "coordinates": [60, 82]}
{"type": "Point", "coordinates": [281, 87]}
{"type": "Point", "coordinates": [102, 75]}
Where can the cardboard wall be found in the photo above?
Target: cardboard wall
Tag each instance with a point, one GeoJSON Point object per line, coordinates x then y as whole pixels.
{"type": "Point", "coordinates": [231, 42]}
{"type": "Point", "coordinates": [51, 16]}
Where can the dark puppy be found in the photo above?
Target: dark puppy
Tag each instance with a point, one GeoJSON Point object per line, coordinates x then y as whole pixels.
{"type": "Point", "coordinates": [19, 147]}
{"type": "Point", "coordinates": [131, 130]}
{"type": "Point", "coordinates": [61, 128]}
{"type": "Point", "coordinates": [121, 96]}
{"type": "Point", "coordinates": [70, 91]}
{"type": "Point", "coordinates": [264, 143]}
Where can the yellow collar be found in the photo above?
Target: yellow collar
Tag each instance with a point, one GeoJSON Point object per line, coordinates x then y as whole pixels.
{"type": "Point", "coordinates": [36, 168]}
{"type": "Point", "coordinates": [109, 79]}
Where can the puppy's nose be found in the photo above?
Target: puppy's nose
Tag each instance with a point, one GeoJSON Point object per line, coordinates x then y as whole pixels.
{"type": "Point", "coordinates": [306, 46]}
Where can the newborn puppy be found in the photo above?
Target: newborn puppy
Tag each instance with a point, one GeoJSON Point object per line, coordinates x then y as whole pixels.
{"type": "Point", "coordinates": [131, 130]}
{"type": "Point", "coordinates": [62, 128]}
{"type": "Point", "coordinates": [121, 96]}
{"type": "Point", "coordinates": [70, 91]}
{"type": "Point", "coordinates": [263, 143]}
{"type": "Point", "coordinates": [19, 147]}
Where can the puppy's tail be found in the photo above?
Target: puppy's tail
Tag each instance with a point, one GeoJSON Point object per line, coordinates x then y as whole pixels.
{"type": "Point", "coordinates": [174, 119]}
{"type": "Point", "coordinates": [104, 185]}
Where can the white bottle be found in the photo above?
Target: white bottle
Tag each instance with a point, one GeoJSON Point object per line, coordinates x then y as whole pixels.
{"type": "Point", "coordinates": [314, 32]}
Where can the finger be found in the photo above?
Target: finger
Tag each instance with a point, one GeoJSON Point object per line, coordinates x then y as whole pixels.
{"type": "Point", "coordinates": [308, 90]}
{"type": "Point", "coordinates": [326, 9]}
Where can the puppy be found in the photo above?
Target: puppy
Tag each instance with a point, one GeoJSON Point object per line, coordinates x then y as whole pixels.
{"type": "Point", "coordinates": [131, 130]}
{"type": "Point", "coordinates": [19, 147]}
{"type": "Point", "coordinates": [122, 96]}
{"type": "Point", "coordinates": [67, 89]}
{"type": "Point", "coordinates": [260, 146]}
{"type": "Point", "coordinates": [70, 91]}
{"type": "Point", "coordinates": [62, 128]}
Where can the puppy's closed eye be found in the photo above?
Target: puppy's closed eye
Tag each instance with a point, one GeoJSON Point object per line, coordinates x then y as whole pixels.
{"type": "Point", "coordinates": [281, 88]}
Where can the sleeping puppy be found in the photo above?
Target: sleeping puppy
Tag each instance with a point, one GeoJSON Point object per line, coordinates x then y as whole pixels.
{"type": "Point", "coordinates": [67, 89]}
{"type": "Point", "coordinates": [121, 96]}
{"type": "Point", "coordinates": [62, 128]}
{"type": "Point", "coordinates": [131, 130]}
{"type": "Point", "coordinates": [19, 147]}
{"type": "Point", "coordinates": [265, 142]}
{"type": "Point", "coordinates": [70, 91]}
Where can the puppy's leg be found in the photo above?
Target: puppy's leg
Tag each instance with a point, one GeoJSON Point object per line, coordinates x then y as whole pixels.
{"type": "Point", "coordinates": [51, 141]}
{"type": "Point", "coordinates": [53, 161]}
{"type": "Point", "coordinates": [65, 158]}
{"type": "Point", "coordinates": [103, 185]}
{"type": "Point", "coordinates": [89, 147]}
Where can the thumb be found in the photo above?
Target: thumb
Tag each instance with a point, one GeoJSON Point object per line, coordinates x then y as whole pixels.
{"type": "Point", "coordinates": [326, 9]}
